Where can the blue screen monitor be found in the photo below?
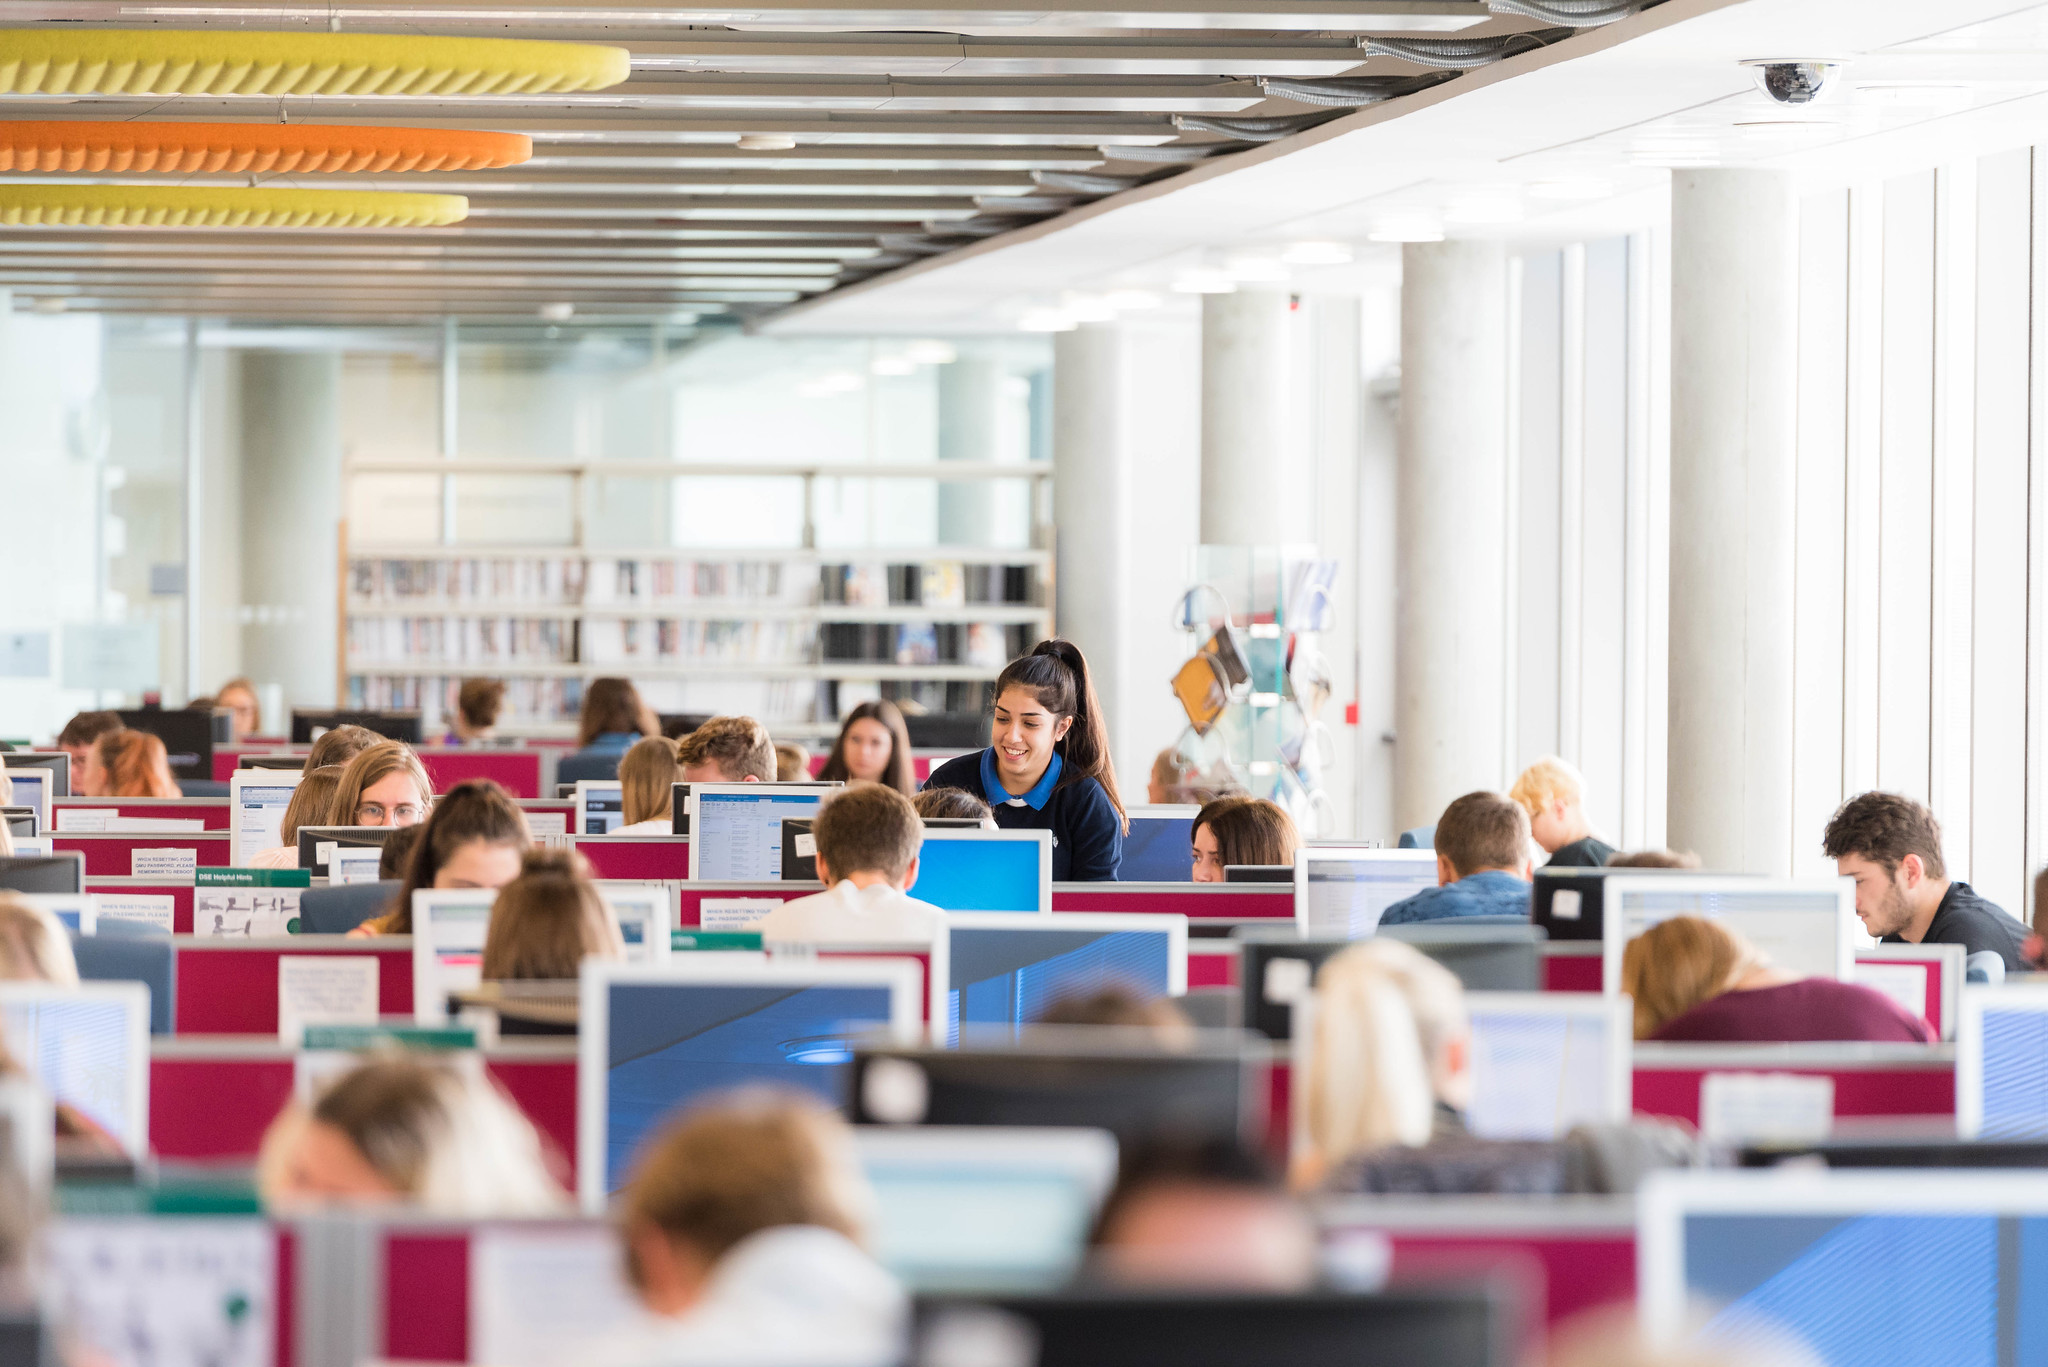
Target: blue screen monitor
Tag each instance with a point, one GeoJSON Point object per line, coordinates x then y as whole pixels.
{"type": "Point", "coordinates": [1004, 972]}
{"type": "Point", "coordinates": [2002, 1062]}
{"type": "Point", "coordinates": [980, 870]}
{"type": "Point", "coordinates": [736, 828]}
{"type": "Point", "coordinates": [1160, 845]}
{"type": "Point", "coordinates": [652, 1038]}
{"type": "Point", "coordinates": [89, 1047]}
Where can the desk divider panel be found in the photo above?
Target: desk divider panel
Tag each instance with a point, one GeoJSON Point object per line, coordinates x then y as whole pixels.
{"type": "Point", "coordinates": [179, 893]}
{"type": "Point", "coordinates": [695, 893]}
{"type": "Point", "coordinates": [515, 770]}
{"type": "Point", "coordinates": [228, 985]}
{"type": "Point", "coordinates": [1571, 966]}
{"type": "Point", "coordinates": [113, 856]}
{"type": "Point", "coordinates": [212, 810]}
{"type": "Point", "coordinates": [1212, 963]}
{"type": "Point", "coordinates": [636, 856]}
{"type": "Point", "coordinates": [1196, 901]}
{"type": "Point", "coordinates": [1871, 1080]}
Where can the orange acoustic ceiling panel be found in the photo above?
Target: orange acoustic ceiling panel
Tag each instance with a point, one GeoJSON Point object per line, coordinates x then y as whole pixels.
{"type": "Point", "coordinates": [255, 148]}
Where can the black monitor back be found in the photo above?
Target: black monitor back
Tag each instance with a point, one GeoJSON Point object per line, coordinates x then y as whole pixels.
{"type": "Point", "coordinates": [63, 872]}
{"type": "Point", "coordinates": [679, 808]}
{"type": "Point", "coordinates": [1258, 873]}
{"type": "Point", "coordinates": [294, 762]}
{"type": "Point", "coordinates": [1904, 1153]}
{"type": "Point", "coordinates": [188, 736]}
{"type": "Point", "coordinates": [356, 837]}
{"type": "Point", "coordinates": [1465, 1327]}
{"type": "Point", "coordinates": [403, 726]}
{"type": "Point", "coordinates": [1583, 917]}
{"type": "Point", "coordinates": [56, 761]}
{"type": "Point", "coordinates": [1210, 1093]}
{"type": "Point", "coordinates": [961, 731]}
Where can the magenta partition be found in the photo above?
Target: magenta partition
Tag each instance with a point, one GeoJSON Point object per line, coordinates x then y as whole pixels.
{"type": "Point", "coordinates": [518, 771]}
{"type": "Point", "coordinates": [230, 988]}
{"type": "Point", "coordinates": [636, 856]}
{"type": "Point", "coordinates": [112, 856]}
{"type": "Point", "coordinates": [212, 810]}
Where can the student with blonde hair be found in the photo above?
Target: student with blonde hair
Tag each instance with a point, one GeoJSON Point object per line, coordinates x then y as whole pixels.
{"type": "Point", "coordinates": [727, 750]}
{"type": "Point", "coordinates": [398, 1129]}
{"type": "Point", "coordinates": [34, 947]}
{"type": "Point", "coordinates": [384, 785]}
{"type": "Point", "coordinates": [745, 1224]}
{"type": "Point", "coordinates": [1241, 830]}
{"type": "Point", "coordinates": [311, 805]}
{"type": "Point", "coordinates": [792, 762]}
{"type": "Point", "coordinates": [1694, 979]}
{"type": "Point", "coordinates": [1553, 793]}
{"type": "Point", "coordinates": [647, 778]}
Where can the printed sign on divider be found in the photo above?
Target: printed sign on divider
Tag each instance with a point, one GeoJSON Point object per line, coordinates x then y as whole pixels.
{"type": "Point", "coordinates": [324, 989]}
{"type": "Point", "coordinates": [247, 902]}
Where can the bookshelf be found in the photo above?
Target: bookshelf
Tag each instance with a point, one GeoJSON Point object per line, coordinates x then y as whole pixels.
{"type": "Point", "coordinates": [790, 635]}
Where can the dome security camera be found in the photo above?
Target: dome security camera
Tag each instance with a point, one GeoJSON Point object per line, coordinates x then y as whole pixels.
{"type": "Point", "coordinates": [1795, 83]}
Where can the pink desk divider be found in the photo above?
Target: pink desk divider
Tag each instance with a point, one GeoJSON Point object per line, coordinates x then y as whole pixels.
{"type": "Point", "coordinates": [1226, 902]}
{"type": "Point", "coordinates": [1876, 1081]}
{"type": "Point", "coordinates": [179, 893]}
{"type": "Point", "coordinates": [1571, 966]}
{"type": "Point", "coordinates": [694, 895]}
{"type": "Point", "coordinates": [636, 856]}
{"type": "Point", "coordinates": [515, 770]}
{"type": "Point", "coordinates": [1212, 963]}
{"type": "Point", "coordinates": [212, 810]}
{"type": "Point", "coordinates": [227, 985]}
{"type": "Point", "coordinates": [113, 856]}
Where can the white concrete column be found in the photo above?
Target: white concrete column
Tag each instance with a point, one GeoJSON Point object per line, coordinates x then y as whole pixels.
{"type": "Point", "coordinates": [291, 504]}
{"type": "Point", "coordinates": [1251, 495]}
{"type": "Point", "coordinates": [1733, 355]}
{"type": "Point", "coordinates": [1450, 665]}
{"type": "Point", "coordinates": [970, 428]}
{"type": "Point", "coordinates": [1091, 497]}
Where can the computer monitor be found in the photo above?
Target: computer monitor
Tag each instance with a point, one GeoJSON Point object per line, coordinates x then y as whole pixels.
{"type": "Point", "coordinates": [1341, 890]}
{"type": "Point", "coordinates": [737, 827]}
{"type": "Point", "coordinates": [1274, 968]}
{"type": "Point", "coordinates": [297, 762]}
{"type": "Point", "coordinates": [307, 726]}
{"type": "Point", "coordinates": [189, 736]}
{"type": "Point", "coordinates": [646, 913]}
{"type": "Point", "coordinates": [1453, 1327]}
{"type": "Point", "coordinates": [1160, 845]}
{"type": "Point", "coordinates": [32, 790]}
{"type": "Point", "coordinates": [57, 762]}
{"type": "Point", "coordinates": [983, 870]}
{"type": "Point", "coordinates": [1805, 925]}
{"type": "Point", "coordinates": [21, 821]}
{"type": "Point", "coordinates": [600, 806]}
{"type": "Point", "coordinates": [1570, 903]}
{"type": "Point", "coordinates": [1858, 1267]}
{"type": "Point", "coordinates": [1273, 971]}
{"type": "Point", "coordinates": [1907, 1152]}
{"type": "Point", "coordinates": [1487, 958]}
{"type": "Point", "coordinates": [256, 802]}
{"type": "Point", "coordinates": [449, 926]}
{"type": "Point", "coordinates": [314, 841]}
{"type": "Point", "coordinates": [984, 1209]}
{"type": "Point", "coordinates": [2002, 1062]}
{"type": "Point", "coordinates": [652, 1038]}
{"type": "Point", "coordinates": [89, 1046]}
{"type": "Point", "coordinates": [1069, 1077]}
{"type": "Point", "coordinates": [1258, 873]}
{"type": "Point", "coordinates": [1546, 1062]}
{"type": "Point", "coordinates": [63, 871]}
{"type": "Point", "coordinates": [678, 808]}
{"type": "Point", "coordinates": [1004, 970]}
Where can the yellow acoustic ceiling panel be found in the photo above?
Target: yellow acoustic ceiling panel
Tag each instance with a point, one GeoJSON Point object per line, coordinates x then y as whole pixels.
{"type": "Point", "coordinates": [255, 148]}
{"type": "Point", "coordinates": [179, 206]}
{"type": "Point", "coordinates": [215, 62]}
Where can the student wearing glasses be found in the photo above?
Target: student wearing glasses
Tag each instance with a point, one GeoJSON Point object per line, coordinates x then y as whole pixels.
{"type": "Point", "coordinates": [384, 785]}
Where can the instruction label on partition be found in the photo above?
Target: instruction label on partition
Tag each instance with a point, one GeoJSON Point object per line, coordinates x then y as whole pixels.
{"type": "Point", "coordinates": [84, 820]}
{"type": "Point", "coordinates": [245, 911]}
{"type": "Point", "coordinates": [189, 1292]}
{"type": "Point", "coordinates": [153, 909]}
{"type": "Point", "coordinates": [542, 1295]}
{"type": "Point", "coordinates": [548, 823]}
{"type": "Point", "coordinates": [1766, 1108]}
{"type": "Point", "coordinates": [324, 989]}
{"type": "Point", "coordinates": [734, 913]}
{"type": "Point", "coordinates": [166, 863]}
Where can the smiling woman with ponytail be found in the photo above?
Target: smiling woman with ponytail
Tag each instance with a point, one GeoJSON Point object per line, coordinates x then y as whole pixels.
{"type": "Point", "coordinates": [1047, 766]}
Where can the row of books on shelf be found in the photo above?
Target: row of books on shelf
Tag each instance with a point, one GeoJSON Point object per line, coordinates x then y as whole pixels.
{"type": "Point", "coordinates": [656, 641]}
{"type": "Point", "coordinates": [464, 640]}
{"type": "Point", "coordinates": [741, 581]}
{"type": "Point", "coordinates": [957, 699]}
{"type": "Point", "coordinates": [939, 583]}
{"type": "Point", "coordinates": [556, 579]}
{"type": "Point", "coordinates": [983, 644]}
{"type": "Point", "coordinates": [527, 702]}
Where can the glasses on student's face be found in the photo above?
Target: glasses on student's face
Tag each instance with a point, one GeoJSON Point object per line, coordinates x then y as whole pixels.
{"type": "Point", "coordinates": [377, 814]}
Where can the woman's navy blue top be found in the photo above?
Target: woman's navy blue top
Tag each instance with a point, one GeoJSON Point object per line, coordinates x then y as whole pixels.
{"type": "Point", "coordinates": [1087, 833]}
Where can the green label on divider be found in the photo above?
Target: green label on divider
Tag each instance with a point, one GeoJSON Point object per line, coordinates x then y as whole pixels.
{"type": "Point", "coordinates": [252, 878]}
{"type": "Point", "coordinates": [360, 1038]}
{"type": "Point", "coordinates": [684, 941]}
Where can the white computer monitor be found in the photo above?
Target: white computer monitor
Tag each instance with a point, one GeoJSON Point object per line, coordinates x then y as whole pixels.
{"type": "Point", "coordinates": [449, 926]}
{"type": "Point", "coordinates": [653, 1038]}
{"type": "Point", "coordinates": [600, 806]}
{"type": "Point", "coordinates": [1805, 925]}
{"type": "Point", "coordinates": [2002, 1062]}
{"type": "Point", "coordinates": [1159, 847]}
{"type": "Point", "coordinates": [32, 789]}
{"type": "Point", "coordinates": [984, 870]}
{"type": "Point", "coordinates": [736, 828]}
{"type": "Point", "coordinates": [1004, 970]}
{"type": "Point", "coordinates": [256, 802]}
{"type": "Point", "coordinates": [89, 1046]}
{"type": "Point", "coordinates": [1861, 1266]}
{"type": "Point", "coordinates": [1340, 891]}
{"type": "Point", "coordinates": [984, 1208]}
{"type": "Point", "coordinates": [1544, 1062]}
{"type": "Point", "coordinates": [75, 911]}
{"type": "Point", "coordinates": [646, 913]}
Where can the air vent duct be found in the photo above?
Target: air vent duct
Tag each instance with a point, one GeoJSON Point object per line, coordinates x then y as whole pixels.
{"type": "Point", "coordinates": [1568, 13]}
{"type": "Point", "coordinates": [1453, 53]}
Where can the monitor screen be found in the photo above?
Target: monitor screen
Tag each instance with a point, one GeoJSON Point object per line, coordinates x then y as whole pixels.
{"type": "Point", "coordinates": [1543, 1064]}
{"type": "Point", "coordinates": [1805, 926]}
{"type": "Point", "coordinates": [1343, 889]}
{"type": "Point", "coordinates": [601, 805]}
{"type": "Point", "coordinates": [1007, 975]}
{"type": "Point", "coordinates": [90, 1048]}
{"type": "Point", "coordinates": [737, 836]}
{"type": "Point", "coordinates": [2002, 1063]}
{"type": "Point", "coordinates": [32, 789]}
{"type": "Point", "coordinates": [43, 873]}
{"type": "Point", "coordinates": [983, 871]}
{"type": "Point", "coordinates": [1159, 848]}
{"type": "Point", "coordinates": [667, 1043]}
{"type": "Point", "coordinates": [259, 816]}
{"type": "Point", "coordinates": [51, 767]}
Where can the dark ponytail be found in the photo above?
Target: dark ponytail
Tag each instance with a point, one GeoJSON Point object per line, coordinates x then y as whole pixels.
{"type": "Point", "coordinates": [1056, 673]}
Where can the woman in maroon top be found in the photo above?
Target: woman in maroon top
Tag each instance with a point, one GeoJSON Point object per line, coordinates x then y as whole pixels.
{"type": "Point", "coordinates": [1698, 981]}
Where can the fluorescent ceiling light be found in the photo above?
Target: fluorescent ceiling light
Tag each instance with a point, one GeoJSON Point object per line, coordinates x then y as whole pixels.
{"type": "Point", "coordinates": [892, 365]}
{"type": "Point", "coordinates": [1132, 301]}
{"type": "Point", "coordinates": [1584, 188]}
